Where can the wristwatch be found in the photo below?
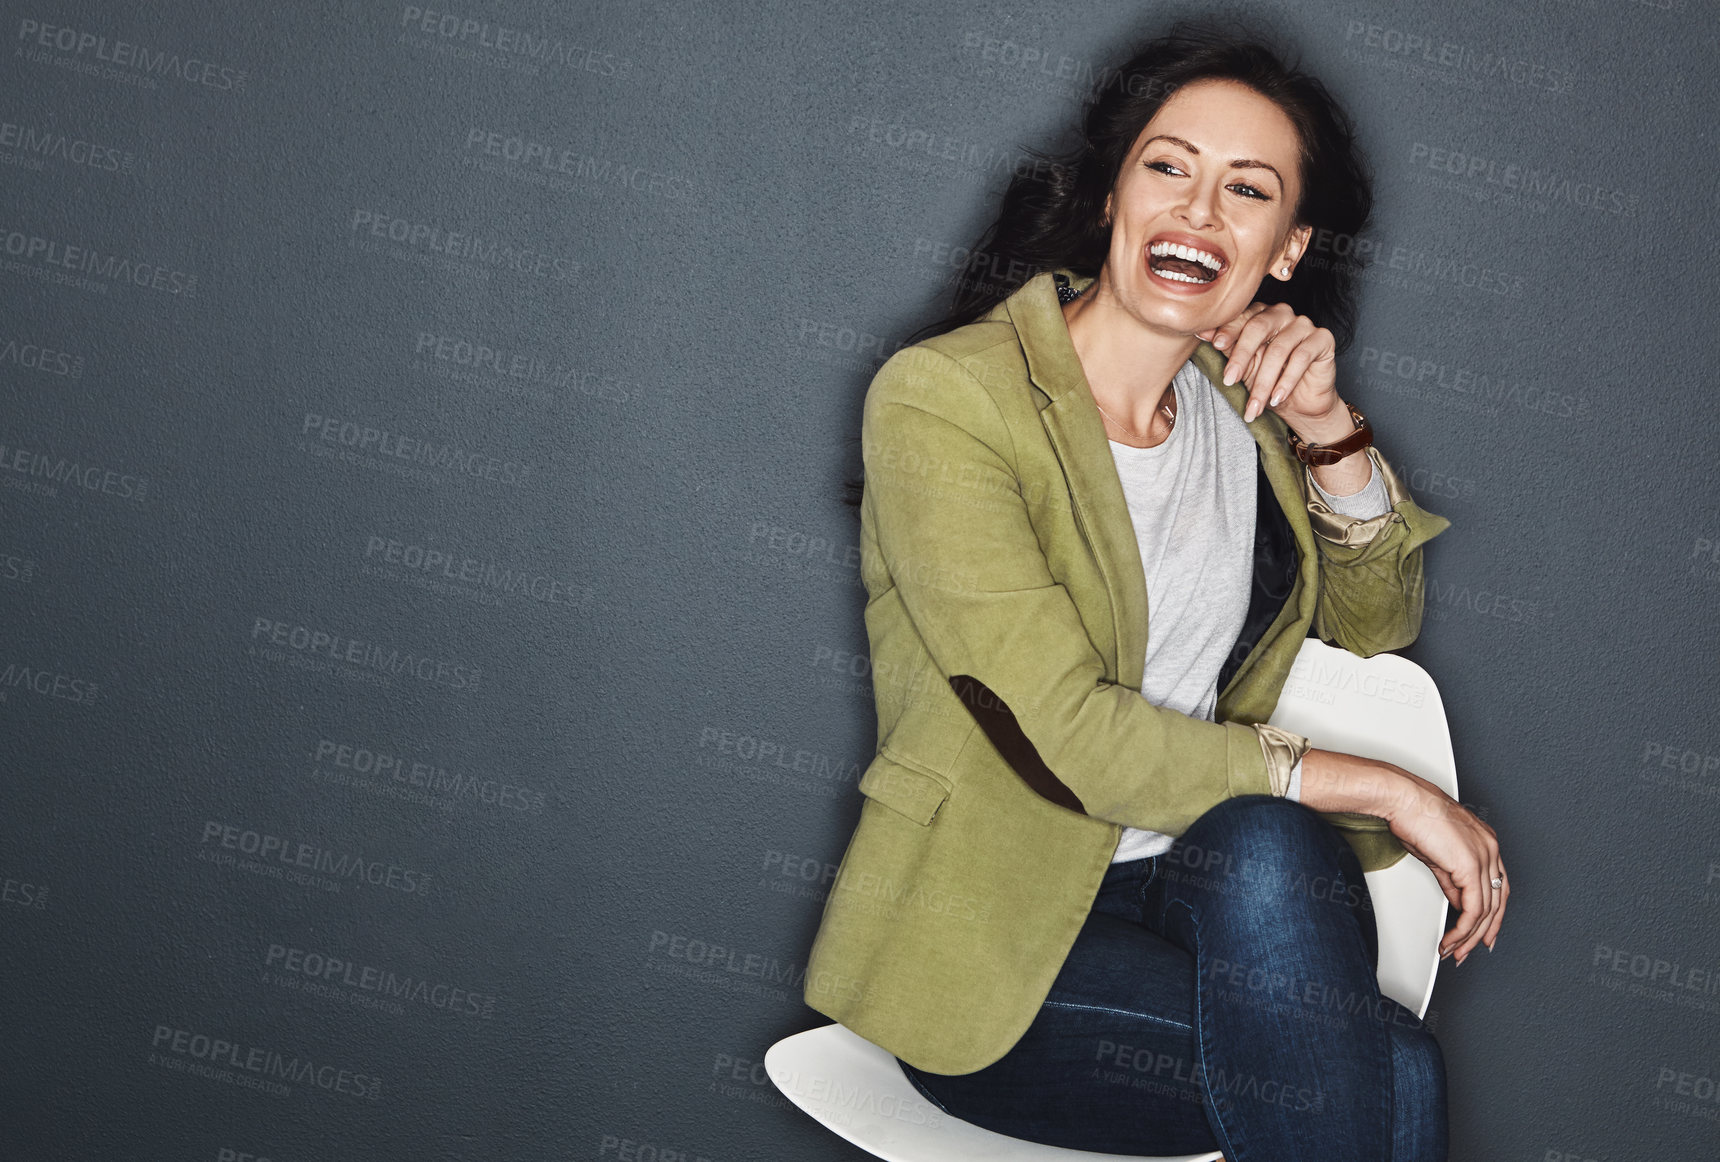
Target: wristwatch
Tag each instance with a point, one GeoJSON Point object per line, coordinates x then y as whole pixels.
{"type": "Point", "coordinates": [1332, 453]}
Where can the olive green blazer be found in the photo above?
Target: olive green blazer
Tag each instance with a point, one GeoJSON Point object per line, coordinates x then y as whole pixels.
{"type": "Point", "coordinates": [1005, 589]}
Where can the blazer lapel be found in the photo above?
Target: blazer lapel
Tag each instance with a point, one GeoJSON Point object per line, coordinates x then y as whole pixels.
{"type": "Point", "coordinates": [1077, 435]}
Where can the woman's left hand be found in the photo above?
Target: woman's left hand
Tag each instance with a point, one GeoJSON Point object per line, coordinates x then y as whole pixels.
{"type": "Point", "coordinates": [1286, 362]}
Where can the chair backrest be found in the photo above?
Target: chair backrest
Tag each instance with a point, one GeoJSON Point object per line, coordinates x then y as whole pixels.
{"type": "Point", "coordinates": [1383, 707]}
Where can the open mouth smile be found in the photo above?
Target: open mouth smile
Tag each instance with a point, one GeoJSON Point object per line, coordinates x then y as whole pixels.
{"type": "Point", "coordinates": [1182, 263]}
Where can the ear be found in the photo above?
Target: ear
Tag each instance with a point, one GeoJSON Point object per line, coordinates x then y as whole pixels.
{"type": "Point", "coordinates": [1294, 247]}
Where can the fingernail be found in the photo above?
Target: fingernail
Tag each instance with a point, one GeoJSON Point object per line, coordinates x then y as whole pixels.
{"type": "Point", "coordinates": [1221, 341]}
{"type": "Point", "coordinates": [1229, 371]}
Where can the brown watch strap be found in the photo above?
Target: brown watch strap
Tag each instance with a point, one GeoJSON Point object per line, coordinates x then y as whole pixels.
{"type": "Point", "coordinates": [1332, 453]}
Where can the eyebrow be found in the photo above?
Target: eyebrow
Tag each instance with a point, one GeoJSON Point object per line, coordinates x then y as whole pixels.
{"type": "Point", "coordinates": [1236, 162]}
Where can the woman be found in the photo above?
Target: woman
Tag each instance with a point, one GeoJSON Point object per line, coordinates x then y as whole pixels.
{"type": "Point", "coordinates": [1094, 899]}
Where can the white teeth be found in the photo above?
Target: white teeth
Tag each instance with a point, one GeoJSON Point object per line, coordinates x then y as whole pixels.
{"type": "Point", "coordinates": [1211, 261]}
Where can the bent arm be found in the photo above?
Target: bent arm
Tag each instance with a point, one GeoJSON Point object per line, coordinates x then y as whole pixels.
{"type": "Point", "coordinates": [1371, 581]}
{"type": "Point", "coordinates": [955, 534]}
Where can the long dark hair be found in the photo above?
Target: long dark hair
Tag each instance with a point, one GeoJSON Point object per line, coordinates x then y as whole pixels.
{"type": "Point", "coordinates": [1051, 210]}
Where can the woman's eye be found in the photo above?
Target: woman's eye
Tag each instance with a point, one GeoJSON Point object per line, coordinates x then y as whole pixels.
{"type": "Point", "coordinates": [1248, 191]}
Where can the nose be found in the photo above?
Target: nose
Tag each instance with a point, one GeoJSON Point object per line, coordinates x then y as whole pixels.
{"type": "Point", "coordinates": [1200, 209]}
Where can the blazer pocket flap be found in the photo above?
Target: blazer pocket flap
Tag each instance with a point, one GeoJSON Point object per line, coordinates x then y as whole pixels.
{"type": "Point", "coordinates": [909, 790]}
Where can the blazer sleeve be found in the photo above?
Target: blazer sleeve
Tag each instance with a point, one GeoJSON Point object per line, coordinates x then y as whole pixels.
{"type": "Point", "coordinates": [953, 529]}
{"type": "Point", "coordinates": [1371, 579]}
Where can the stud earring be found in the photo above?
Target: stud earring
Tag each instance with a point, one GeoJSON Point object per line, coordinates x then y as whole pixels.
{"type": "Point", "coordinates": [1284, 270]}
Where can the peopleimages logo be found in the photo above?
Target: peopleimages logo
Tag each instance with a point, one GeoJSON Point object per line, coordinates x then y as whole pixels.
{"type": "Point", "coordinates": [304, 640]}
{"type": "Point", "coordinates": [35, 470]}
{"type": "Point", "coordinates": [340, 866]}
{"type": "Point", "coordinates": [546, 160]}
{"type": "Point", "coordinates": [363, 760]}
{"type": "Point", "coordinates": [338, 436]}
{"type": "Point", "coordinates": [57, 260]}
{"type": "Point", "coordinates": [36, 39]}
{"type": "Point", "coordinates": [434, 238]}
{"type": "Point", "coordinates": [337, 970]}
{"type": "Point", "coordinates": [32, 144]}
{"type": "Point", "coordinates": [451, 565]}
{"type": "Point", "coordinates": [22, 893]}
{"type": "Point", "coordinates": [521, 44]}
{"type": "Point", "coordinates": [219, 1053]}
{"type": "Point", "coordinates": [47, 683]}
{"type": "Point", "coordinates": [35, 357]}
{"type": "Point", "coordinates": [496, 362]}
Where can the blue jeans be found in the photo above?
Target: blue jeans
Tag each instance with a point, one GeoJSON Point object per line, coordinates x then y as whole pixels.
{"type": "Point", "coordinates": [1221, 996]}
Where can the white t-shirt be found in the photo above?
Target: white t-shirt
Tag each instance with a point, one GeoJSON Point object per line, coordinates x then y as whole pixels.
{"type": "Point", "coordinates": [1192, 501]}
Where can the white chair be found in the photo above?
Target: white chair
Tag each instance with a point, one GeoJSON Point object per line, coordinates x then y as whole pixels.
{"type": "Point", "coordinates": [1384, 707]}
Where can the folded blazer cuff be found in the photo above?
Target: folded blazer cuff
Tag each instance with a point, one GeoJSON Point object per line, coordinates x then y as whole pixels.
{"type": "Point", "coordinates": [1354, 530]}
{"type": "Point", "coordinates": [1282, 748]}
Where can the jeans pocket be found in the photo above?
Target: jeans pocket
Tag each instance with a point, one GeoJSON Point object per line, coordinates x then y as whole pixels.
{"type": "Point", "coordinates": [1123, 890]}
{"type": "Point", "coordinates": [1149, 876]}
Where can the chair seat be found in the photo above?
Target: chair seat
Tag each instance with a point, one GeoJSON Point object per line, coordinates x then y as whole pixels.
{"type": "Point", "coordinates": [857, 1090]}
{"type": "Point", "coordinates": [1383, 707]}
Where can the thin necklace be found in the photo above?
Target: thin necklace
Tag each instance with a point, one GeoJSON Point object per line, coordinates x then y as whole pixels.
{"type": "Point", "coordinates": [1168, 408]}
{"type": "Point", "coordinates": [1067, 294]}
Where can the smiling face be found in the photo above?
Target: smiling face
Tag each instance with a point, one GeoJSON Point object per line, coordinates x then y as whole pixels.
{"type": "Point", "coordinates": [1212, 182]}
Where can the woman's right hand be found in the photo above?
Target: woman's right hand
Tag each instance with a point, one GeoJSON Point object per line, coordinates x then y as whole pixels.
{"type": "Point", "coordinates": [1461, 850]}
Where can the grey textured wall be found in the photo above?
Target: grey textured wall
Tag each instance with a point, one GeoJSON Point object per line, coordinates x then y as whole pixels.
{"type": "Point", "coordinates": [431, 660]}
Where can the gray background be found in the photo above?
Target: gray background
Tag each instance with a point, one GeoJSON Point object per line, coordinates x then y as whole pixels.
{"type": "Point", "coordinates": [625, 700]}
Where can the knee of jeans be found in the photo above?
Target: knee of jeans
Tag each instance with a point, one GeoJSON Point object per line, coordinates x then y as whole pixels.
{"type": "Point", "coordinates": [1263, 836]}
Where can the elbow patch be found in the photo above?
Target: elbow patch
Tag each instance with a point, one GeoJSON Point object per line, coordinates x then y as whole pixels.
{"type": "Point", "coordinates": [998, 721]}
